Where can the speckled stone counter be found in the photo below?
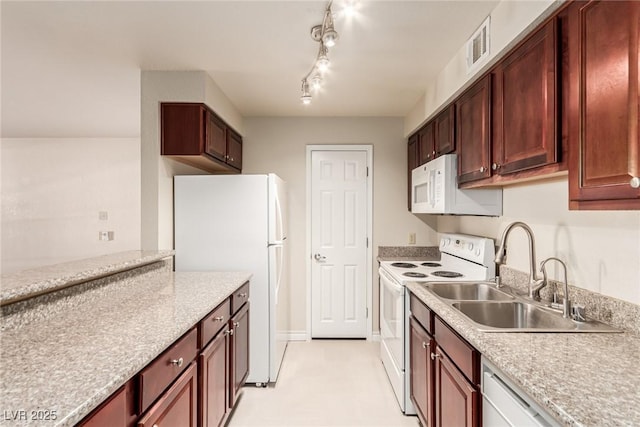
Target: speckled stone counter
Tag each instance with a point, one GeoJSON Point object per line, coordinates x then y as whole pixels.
{"type": "Point", "coordinates": [70, 354]}
{"type": "Point", "coordinates": [28, 283]}
{"type": "Point", "coordinates": [408, 253]}
{"type": "Point", "coordinates": [580, 379]}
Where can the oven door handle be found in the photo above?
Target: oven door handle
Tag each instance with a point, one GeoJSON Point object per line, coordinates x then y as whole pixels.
{"type": "Point", "coordinates": [390, 283]}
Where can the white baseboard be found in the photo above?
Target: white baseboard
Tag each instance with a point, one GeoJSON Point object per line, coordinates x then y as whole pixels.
{"type": "Point", "coordinates": [293, 335]}
{"type": "Point", "coordinates": [375, 336]}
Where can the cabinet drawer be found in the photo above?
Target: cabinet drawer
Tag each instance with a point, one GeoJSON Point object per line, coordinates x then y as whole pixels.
{"type": "Point", "coordinates": [459, 351]}
{"type": "Point", "coordinates": [178, 406]}
{"type": "Point", "coordinates": [214, 322]}
{"type": "Point", "coordinates": [422, 313]}
{"type": "Point", "coordinates": [239, 297]}
{"type": "Point", "coordinates": [158, 375]}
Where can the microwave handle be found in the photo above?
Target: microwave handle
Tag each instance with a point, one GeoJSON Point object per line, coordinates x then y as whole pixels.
{"type": "Point", "coordinates": [432, 187]}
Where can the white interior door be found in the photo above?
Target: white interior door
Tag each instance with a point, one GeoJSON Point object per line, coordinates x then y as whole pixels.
{"type": "Point", "coordinates": [339, 244]}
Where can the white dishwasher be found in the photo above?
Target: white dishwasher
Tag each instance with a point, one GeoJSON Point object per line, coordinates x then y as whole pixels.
{"type": "Point", "coordinates": [503, 404]}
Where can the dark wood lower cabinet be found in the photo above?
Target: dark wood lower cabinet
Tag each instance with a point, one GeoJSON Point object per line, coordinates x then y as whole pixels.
{"type": "Point", "coordinates": [421, 372]}
{"type": "Point", "coordinates": [214, 381]}
{"type": "Point", "coordinates": [178, 406]}
{"type": "Point", "coordinates": [456, 399]}
{"type": "Point", "coordinates": [445, 372]}
{"type": "Point", "coordinates": [118, 410]}
{"type": "Point", "coordinates": [239, 352]}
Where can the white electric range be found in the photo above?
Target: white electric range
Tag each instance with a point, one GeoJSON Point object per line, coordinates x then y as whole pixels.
{"type": "Point", "coordinates": [463, 258]}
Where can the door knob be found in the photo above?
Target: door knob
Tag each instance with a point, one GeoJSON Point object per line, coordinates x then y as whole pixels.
{"type": "Point", "coordinates": [319, 257]}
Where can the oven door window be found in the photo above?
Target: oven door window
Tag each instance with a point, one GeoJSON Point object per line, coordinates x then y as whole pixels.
{"type": "Point", "coordinates": [392, 317]}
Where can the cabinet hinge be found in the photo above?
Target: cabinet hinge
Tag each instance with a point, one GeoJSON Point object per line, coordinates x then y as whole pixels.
{"type": "Point", "coordinates": [367, 309]}
{"type": "Point", "coordinates": [367, 242]}
{"type": "Point", "coordinates": [367, 170]}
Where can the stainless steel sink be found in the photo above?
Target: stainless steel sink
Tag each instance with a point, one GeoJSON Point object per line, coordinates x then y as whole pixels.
{"type": "Point", "coordinates": [468, 291]}
{"type": "Point", "coordinates": [516, 316]}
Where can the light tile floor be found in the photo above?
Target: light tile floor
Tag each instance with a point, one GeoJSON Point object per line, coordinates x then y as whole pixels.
{"type": "Point", "coordinates": [325, 383]}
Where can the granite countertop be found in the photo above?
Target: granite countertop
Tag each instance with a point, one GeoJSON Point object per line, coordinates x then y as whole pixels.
{"type": "Point", "coordinates": [581, 379]}
{"type": "Point", "coordinates": [76, 351]}
{"type": "Point", "coordinates": [29, 283]}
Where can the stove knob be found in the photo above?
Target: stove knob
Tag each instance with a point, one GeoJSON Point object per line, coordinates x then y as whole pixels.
{"type": "Point", "coordinates": [445, 242]}
{"type": "Point", "coordinates": [470, 246]}
{"type": "Point", "coordinates": [478, 252]}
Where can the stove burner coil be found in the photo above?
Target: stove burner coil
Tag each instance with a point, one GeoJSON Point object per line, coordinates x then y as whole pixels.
{"type": "Point", "coordinates": [414, 274]}
{"type": "Point", "coordinates": [431, 264]}
{"type": "Point", "coordinates": [403, 265]}
{"type": "Point", "coordinates": [449, 274]}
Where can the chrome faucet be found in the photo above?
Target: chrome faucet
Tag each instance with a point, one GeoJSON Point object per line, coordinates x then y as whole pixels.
{"type": "Point", "coordinates": [566, 303]}
{"type": "Point", "coordinates": [535, 283]}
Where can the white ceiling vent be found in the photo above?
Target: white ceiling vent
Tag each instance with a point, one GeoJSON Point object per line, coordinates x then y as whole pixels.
{"type": "Point", "coordinates": [478, 46]}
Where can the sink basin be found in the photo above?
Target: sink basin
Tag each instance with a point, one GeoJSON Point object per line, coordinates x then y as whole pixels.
{"type": "Point", "coordinates": [468, 291]}
{"type": "Point", "coordinates": [515, 316]}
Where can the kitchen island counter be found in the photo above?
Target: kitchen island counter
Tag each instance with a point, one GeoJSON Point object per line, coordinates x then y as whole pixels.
{"type": "Point", "coordinates": [62, 358]}
{"type": "Point", "coordinates": [581, 379]}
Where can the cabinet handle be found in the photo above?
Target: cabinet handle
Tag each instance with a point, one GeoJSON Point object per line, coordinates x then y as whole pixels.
{"type": "Point", "coordinates": [635, 182]}
{"type": "Point", "coordinates": [236, 324]}
{"type": "Point", "coordinates": [482, 169]}
{"type": "Point", "coordinates": [229, 332]}
{"type": "Point", "coordinates": [424, 345]}
{"type": "Point", "coordinates": [434, 355]}
{"type": "Point", "coordinates": [177, 362]}
{"type": "Point", "coordinates": [495, 166]}
{"type": "Point", "coordinates": [242, 295]}
{"type": "Point", "coordinates": [218, 319]}
{"type": "Point", "coordinates": [231, 159]}
{"type": "Point", "coordinates": [433, 153]}
{"type": "Point", "coordinates": [226, 157]}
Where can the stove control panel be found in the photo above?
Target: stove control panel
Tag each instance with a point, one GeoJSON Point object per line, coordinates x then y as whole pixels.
{"type": "Point", "coordinates": [480, 250]}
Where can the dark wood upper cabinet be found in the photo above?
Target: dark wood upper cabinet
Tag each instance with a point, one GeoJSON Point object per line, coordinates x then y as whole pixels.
{"type": "Point", "coordinates": [193, 134]}
{"type": "Point", "coordinates": [525, 130]}
{"type": "Point", "coordinates": [216, 137]}
{"type": "Point", "coordinates": [473, 131]}
{"type": "Point", "coordinates": [603, 54]}
{"type": "Point", "coordinates": [427, 149]}
{"type": "Point", "coordinates": [445, 128]}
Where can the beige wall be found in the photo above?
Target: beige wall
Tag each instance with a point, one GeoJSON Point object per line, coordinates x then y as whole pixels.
{"type": "Point", "coordinates": [279, 145]}
{"type": "Point", "coordinates": [601, 248]}
{"type": "Point", "coordinates": [52, 191]}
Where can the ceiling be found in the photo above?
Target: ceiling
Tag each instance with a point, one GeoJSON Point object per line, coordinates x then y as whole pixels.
{"type": "Point", "coordinates": [72, 69]}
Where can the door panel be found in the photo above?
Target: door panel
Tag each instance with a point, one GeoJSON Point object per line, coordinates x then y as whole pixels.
{"type": "Point", "coordinates": [338, 240]}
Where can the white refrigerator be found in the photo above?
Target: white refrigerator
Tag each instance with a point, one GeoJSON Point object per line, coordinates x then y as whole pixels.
{"type": "Point", "coordinates": [239, 223]}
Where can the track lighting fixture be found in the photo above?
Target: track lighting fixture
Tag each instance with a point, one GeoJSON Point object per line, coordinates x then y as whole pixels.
{"type": "Point", "coordinates": [326, 35]}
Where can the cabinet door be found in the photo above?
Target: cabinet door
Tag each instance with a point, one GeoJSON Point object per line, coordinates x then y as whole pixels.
{"type": "Point", "coordinates": [421, 366]}
{"type": "Point", "coordinates": [412, 163]}
{"type": "Point", "coordinates": [234, 149]}
{"type": "Point", "coordinates": [239, 352]}
{"type": "Point", "coordinates": [178, 405]}
{"type": "Point", "coordinates": [603, 107]}
{"type": "Point", "coordinates": [456, 399]}
{"type": "Point", "coordinates": [117, 411]}
{"type": "Point", "coordinates": [182, 129]}
{"type": "Point", "coordinates": [525, 105]}
{"type": "Point", "coordinates": [473, 123]}
{"type": "Point", "coordinates": [214, 381]}
{"type": "Point", "coordinates": [216, 142]}
{"type": "Point", "coordinates": [426, 150]}
{"type": "Point", "coordinates": [445, 129]}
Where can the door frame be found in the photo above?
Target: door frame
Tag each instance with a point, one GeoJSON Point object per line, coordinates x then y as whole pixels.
{"type": "Point", "coordinates": [368, 148]}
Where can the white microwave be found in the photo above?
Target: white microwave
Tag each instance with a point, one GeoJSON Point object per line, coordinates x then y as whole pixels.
{"type": "Point", "coordinates": [434, 190]}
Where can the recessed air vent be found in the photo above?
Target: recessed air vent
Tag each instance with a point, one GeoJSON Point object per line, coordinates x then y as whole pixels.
{"type": "Point", "coordinates": [478, 46]}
